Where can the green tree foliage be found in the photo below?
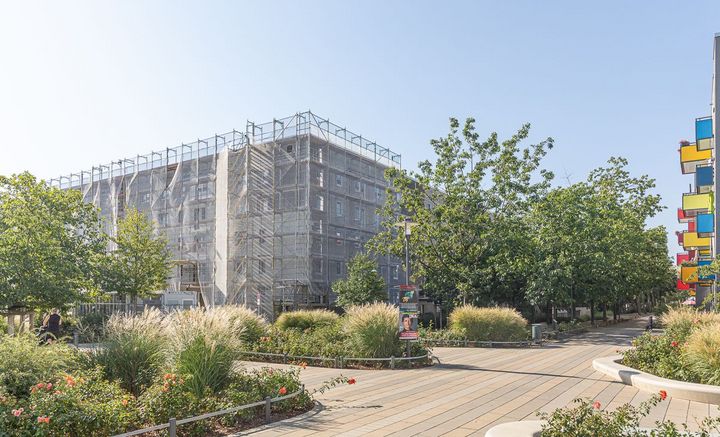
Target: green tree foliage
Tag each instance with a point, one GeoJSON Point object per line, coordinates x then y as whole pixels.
{"type": "Point", "coordinates": [363, 284]}
{"type": "Point", "coordinates": [50, 244]}
{"type": "Point", "coordinates": [140, 263]}
{"type": "Point", "coordinates": [470, 243]}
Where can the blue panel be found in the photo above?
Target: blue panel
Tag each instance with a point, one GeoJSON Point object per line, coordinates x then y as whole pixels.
{"type": "Point", "coordinates": [703, 128]}
{"type": "Point", "coordinates": [705, 278]}
{"type": "Point", "coordinates": [704, 176]}
{"type": "Point", "coordinates": [704, 224]}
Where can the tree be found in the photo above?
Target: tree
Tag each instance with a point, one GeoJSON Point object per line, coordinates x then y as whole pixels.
{"type": "Point", "coordinates": [469, 243]}
{"type": "Point", "coordinates": [140, 263]}
{"type": "Point", "coordinates": [50, 245]}
{"type": "Point", "coordinates": [363, 284]}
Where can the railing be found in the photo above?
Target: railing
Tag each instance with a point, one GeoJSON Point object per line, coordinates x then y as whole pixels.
{"type": "Point", "coordinates": [338, 362]}
{"type": "Point", "coordinates": [172, 425]}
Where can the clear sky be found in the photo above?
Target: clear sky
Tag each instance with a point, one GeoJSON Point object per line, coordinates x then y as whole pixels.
{"type": "Point", "coordinates": [84, 83]}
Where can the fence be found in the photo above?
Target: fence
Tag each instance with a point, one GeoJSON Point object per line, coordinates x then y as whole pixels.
{"type": "Point", "coordinates": [338, 362]}
{"type": "Point", "coordinates": [172, 425]}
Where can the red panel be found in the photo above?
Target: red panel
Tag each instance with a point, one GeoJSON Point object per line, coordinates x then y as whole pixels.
{"type": "Point", "coordinates": [682, 286]}
{"type": "Point", "coordinates": [680, 236]}
{"type": "Point", "coordinates": [691, 226]}
{"type": "Point", "coordinates": [682, 257]}
{"type": "Point", "coordinates": [692, 254]}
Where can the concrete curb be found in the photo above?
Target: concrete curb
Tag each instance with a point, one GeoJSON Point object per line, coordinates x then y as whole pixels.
{"type": "Point", "coordinates": [610, 366]}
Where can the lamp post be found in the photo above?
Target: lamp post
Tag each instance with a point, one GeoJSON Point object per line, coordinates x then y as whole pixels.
{"type": "Point", "coordinates": [407, 225]}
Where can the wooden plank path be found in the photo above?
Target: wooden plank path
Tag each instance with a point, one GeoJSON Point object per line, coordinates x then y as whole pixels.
{"type": "Point", "coordinates": [475, 389]}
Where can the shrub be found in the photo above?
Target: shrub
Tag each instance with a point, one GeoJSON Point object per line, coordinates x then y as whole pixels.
{"type": "Point", "coordinates": [324, 341]}
{"type": "Point", "coordinates": [702, 353]}
{"type": "Point", "coordinates": [256, 385]}
{"type": "Point", "coordinates": [659, 355]}
{"type": "Point", "coordinates": [73, 405]}
{"type": "Point", "coordinates": [134, 352]}
{"type": "Point", "coordinates": [372, 330]}
{"type": "Point", "coordinates": [306, 319]}
{"type": "Point", "coordinates": [488, 324]}
{"type": "Point", "coordinates": [91, 327]}
{"type": "Point", "coordinates": [204, 346]}
{"type": "Point", "coordinates": [24, 363]}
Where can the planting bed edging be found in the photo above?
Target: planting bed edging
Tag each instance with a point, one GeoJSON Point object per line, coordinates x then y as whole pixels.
{"type": "Point", "coordinates": [610, 366]}
{"type": "Point", "coordinates": [525, 428]}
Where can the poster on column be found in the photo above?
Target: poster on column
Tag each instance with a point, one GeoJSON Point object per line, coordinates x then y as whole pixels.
{"type": "Point", "coordinates": [408, 314]}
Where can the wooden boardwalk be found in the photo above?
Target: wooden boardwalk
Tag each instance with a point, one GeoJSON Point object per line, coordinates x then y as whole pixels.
{"type": "Point", "coordinates": [475, 389]}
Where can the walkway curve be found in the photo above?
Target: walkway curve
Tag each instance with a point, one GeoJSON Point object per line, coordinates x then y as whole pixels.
{"type": "Point", "coordinates": [475, 389]}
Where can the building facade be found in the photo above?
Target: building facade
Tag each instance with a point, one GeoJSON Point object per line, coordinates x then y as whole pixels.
{"type": "Point", "coordinates": [699, 206]}
{"type": "Point", "coordinates": [266, 218]}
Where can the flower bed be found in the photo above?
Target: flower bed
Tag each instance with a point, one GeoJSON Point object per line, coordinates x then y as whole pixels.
{"type": "Point", "coordinates": [368, 332]}
{"type": "Point", "coordinates": [688, 349]}
{"type": "Point", "coordinates": [152, 368]}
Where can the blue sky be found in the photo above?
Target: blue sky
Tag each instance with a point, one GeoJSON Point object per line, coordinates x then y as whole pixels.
{"type": "Point", "coordinates": [84, 83]}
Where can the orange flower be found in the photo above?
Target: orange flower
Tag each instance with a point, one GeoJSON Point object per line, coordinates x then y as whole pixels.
{"type": "Point", "coordinates": [303, 365]}
{"type": "Point", "coordinates": [282, 391]}
{"type": "Point", "coordinates": [43, 419]}
{"type": "Point", "coordinates": [49, 386]}
{"type": "Point", "coordinates": [596, 405]}
{"type": "Point", "coordinates": [674, 343]}
{"type": "Point", "coordinates": [663, 394]}
{"type": "Point", "coordinates": [351, 381]}
{"type": "Point", "coordinates": [40, 385]}
{"type": "Point", "coordinates": [124, 402]}
{"type": "Point", "coordinates": [69, 380]}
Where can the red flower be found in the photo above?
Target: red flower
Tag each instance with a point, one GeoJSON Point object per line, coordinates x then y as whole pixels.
{"type": "Point", "coordinates": [124, 402]}
{"type": "Point", "coordinates": [674, 343]}
{"type": "Point", "coordinates": [49, 386]}
{"type": "Point", "coordinates": [663, 394]}
{"type": "Point", "coordinates": [351, 381]}
{"type": "Point", "coordinates": [282, 391]}
{"type": "Point", "coordinates": [40, 385]}
{"type": "Point", "coordinates": [44, 419]}
{"type": "Point", "coordinates": [17, 412]}
{"type": "Point", "coordinates": [596, 405]}
{"type": "Point", "coordinates": [303, 365]}
{"type": "Point", "coordinates": [69, 380]}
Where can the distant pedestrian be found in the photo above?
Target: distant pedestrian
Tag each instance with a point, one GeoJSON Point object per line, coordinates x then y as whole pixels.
{"type": "Point", "coordinates": [52, 324]}
{"type": "Point", "coordinates": [649, 326]}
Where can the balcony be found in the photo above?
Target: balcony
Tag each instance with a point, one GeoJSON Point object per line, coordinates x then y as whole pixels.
{"type": "Point", "coordinates": [689, 275]}
{"type": "Point", "coordinates": [697, 203]}
{"type": "Point", "coordinates": [691, 158]}
{"type": "Point", "coordinates": [704, 133]}
{"type": "Point", "coordinates": [685, 216]}
{"type": "Point", "coordinates": [681, 258]}
{"type": "Point", "coordinates": [691, 240]}
{"type": "Point", "coordinates": [708, 277]}
{"type": "Point", "coordinates": [704, 225]}
{"type": "Point", "coordinates": [704, 179]}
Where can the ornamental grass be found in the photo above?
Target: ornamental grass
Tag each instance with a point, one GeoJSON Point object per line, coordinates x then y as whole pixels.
{"type": "Point", "coordinates": [306, 319]}
{"type": "Point", "coordinates": [372, 330]}
{"type": "Point", "coordinates": [488, 324]}
{"type": "Point", "coordinates": [702, 353]}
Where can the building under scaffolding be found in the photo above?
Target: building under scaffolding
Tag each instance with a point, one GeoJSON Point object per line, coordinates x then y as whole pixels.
{"type": "Point", "coordinates": [268, 218]}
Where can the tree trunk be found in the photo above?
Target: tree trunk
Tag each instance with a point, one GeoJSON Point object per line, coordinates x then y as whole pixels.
{"type": "Point", "coordinates": [604, 307]}
{"type": "Point", "coordinates": [548, 313]}
{"type": "Point", "coordinates": [592, 312]}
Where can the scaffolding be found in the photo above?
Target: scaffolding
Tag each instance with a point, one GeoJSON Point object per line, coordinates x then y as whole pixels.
{"type": "Point", "coordinates": [269, 217]}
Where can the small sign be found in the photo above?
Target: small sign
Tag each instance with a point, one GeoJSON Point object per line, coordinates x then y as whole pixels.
{"type": "Point", "coordinates": [409, 312]}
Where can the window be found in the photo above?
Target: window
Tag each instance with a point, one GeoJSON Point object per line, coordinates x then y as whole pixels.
{"type": "Point", "coordinates": [338, 242]}
{"type": "Point", "coordinates": [338, 180]}
{"type": "Point", "coordinates": [145, 198]}
{"type": "Point", "coordinates": [162, 219]}
{"type": "Point", "coordinates": [198, 216]}
{"type": "Point", "coordinates": [268, 205]}
{"type": "Point", "coordinates": [202, 271]}
{"type": "Point", "coordinates": [338, 208]}
{"type": "Point", "coordinates": [357, 214]}
{"type": "Point", "coordinates": [289, 148]}
{"type": "Point", "coordinates": [261, 266]}
{"type": "Point", "coordinates": [359, 187]}
{"type": "Point", "coordinates": [202, 191]}
{"type": "Point", "coordinates": [320, 203]}
{"type": "Point", "coordinates": [395, 272]}
{"type": "Point", "coordinates": [378, 193]}
{"type": "Point", "coordinates": [338, 268]}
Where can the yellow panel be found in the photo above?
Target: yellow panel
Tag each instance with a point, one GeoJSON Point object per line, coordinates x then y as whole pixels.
{"type": "Point", "coordinates": [691, 153]}
{"type": "Point", "coordinates": [689, 275]}
{"type": "Point", "coordinates": [702, 201]}
{"type": "Point", "coordinates": [705, 144]}
{"type": "Point", "coordinates": [691, 239]}
{"type": "Point", "coordinates": [691, 292]}
{"type": "Point", "coordinates": [704, 252]}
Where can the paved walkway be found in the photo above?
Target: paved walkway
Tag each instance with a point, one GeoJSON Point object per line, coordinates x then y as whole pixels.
{"type": "Point", "coordinates": [475, 389]}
